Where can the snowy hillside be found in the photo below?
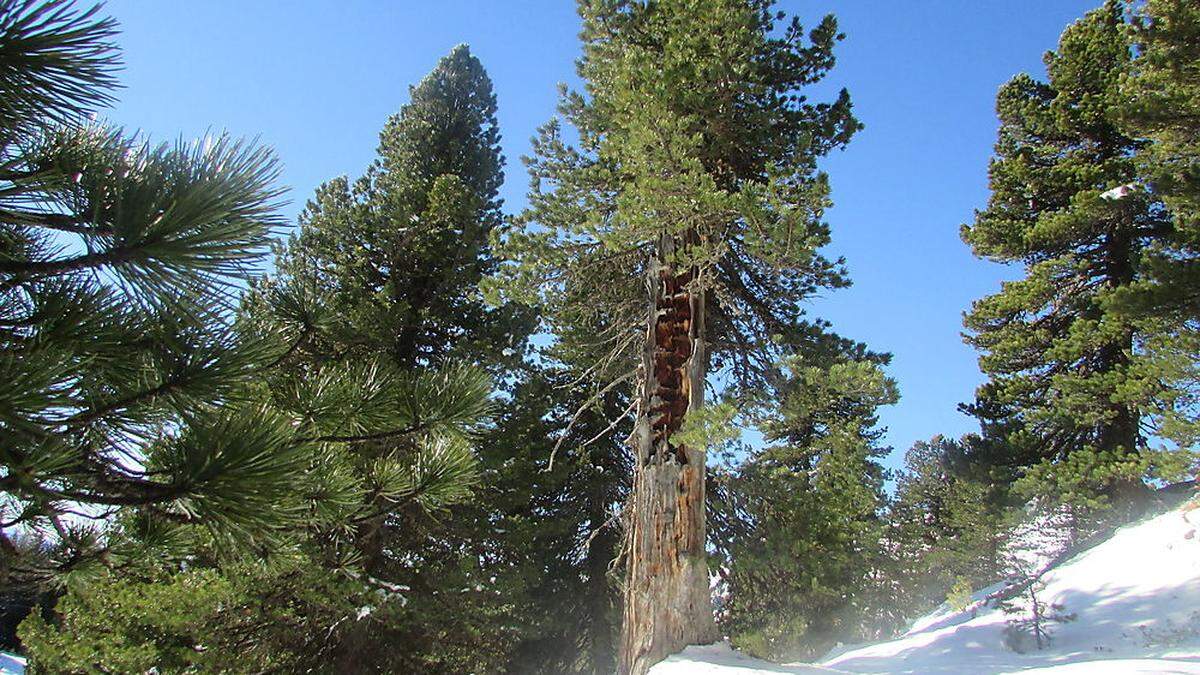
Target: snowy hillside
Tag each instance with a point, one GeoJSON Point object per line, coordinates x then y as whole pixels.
{"type": "Point", "coordinates": [1132, 605]}
{"type": "Point", "coordinates": [10, 663]}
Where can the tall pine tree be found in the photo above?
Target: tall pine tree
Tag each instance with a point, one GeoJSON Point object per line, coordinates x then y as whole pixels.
{"type": "Point", "coordinates": [1063, 368]}
{"type": "Point", "coordinates": [1161, 103]}
{"type": "Point", "coordinates": [557, 521]}
{"type": "Point", "coordinates": [393, 259]}
{"type": "Point", "coordinates": [685, 223]}
{"type": "Point", "coordinates": [397, 254]}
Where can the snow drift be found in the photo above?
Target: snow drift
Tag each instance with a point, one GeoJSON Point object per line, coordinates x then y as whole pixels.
{"type": "Point", "coordinates": [1131, 604]}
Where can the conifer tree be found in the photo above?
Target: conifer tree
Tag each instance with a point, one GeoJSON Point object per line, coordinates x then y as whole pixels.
{"type": "Point", "coordinates": [118, 260]}
{"type": "Point", "coordinates": [393, 260]}
{"type": "Point", "coordinates": [1064, 369]}
{"type": "Point", "coordinates": [685, 224]}
{"type": "Point", "coordinates": [799, 525]}
{"type": "Point", "coordinates": [948, 521]}
{"type": "Point", "coordinates": [558, 524]}
{"type": "Point", "coordinates": [1161, 103]}
{"type": "Point", "coordinates": [397, 254]}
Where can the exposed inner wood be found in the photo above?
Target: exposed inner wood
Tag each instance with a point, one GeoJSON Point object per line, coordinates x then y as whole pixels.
{"type": "Point", "coordinates": [667, 600]}
{"type": "Point", "coordinates": [673, 348]}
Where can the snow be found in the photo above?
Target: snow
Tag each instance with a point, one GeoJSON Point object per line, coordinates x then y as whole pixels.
{"type": "Point", "coordinates": [721, 659]}
{"type": "Point", "coordinates": [10, 663]}
{"type": "Point", "coordinates": [1117, 192]}
{"type": "Point", "coordinates": [1135, 598]}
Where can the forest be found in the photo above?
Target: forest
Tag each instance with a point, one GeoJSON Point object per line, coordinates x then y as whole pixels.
{"type": "Point", "coordinates": [417, 432]}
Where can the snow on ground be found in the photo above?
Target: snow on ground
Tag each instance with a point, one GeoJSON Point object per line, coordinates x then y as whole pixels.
{"type": "Point", "coordinates": [10, 663]}
{"type": "Point", "coordinates": [1135, 600]}
{"type": "Point", "coordinates": [721, 659]}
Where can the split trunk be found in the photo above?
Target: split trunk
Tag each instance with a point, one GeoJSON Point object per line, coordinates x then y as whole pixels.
{"type": "Point", "coordinates": [667, 604]}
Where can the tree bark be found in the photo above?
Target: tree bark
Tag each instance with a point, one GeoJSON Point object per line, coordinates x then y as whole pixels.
{"type": "Point", "coordinates": [667, 604]}
{"type": "Point", "coordinates": [1121, 434]}
{"type": "Point", "coordinates": [601, 620]}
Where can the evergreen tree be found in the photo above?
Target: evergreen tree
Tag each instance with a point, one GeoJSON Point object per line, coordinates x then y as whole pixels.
{"type": "Point", "coordinates": [798, 525]}
{"type": "Point", "coordinates": [1161, 103]}
{"type": "Point", "coordinates": [559, 521]}
{"type": "Point", "coordinates": [284, 615]}
{"type": "Point", "coordinates": [1065, 371]}
{"type": "Point", "coordinates": [397, 254]}
{"type": "Point", "coordinates": [684, 225]}
{"type": "Point", "coordinates": [948, 521]}
{"type": "Point", "coordinates": [559, 475]}
{"type": "Point", "coordinates": [117, 264]}
{"type": "Point", "coordinates": [393, 261]}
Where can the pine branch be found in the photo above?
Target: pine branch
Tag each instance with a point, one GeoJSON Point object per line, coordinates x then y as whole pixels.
{"type": "Point", "coordinates": [374, 436]}
{"type": "Point", "coordinates": [55, 62]}
{"type": "Point", "coordinates": [54, 221]}
{"type": "Point", "coordinates": [109, 258]}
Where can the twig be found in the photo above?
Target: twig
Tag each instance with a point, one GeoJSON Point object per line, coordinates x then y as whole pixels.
{"type": "Point", "coordinates": [592, 535]}
{"type": "Point", "coordinates": [579, 413]}
{"type": "Point", "coordinates": [616, 420]}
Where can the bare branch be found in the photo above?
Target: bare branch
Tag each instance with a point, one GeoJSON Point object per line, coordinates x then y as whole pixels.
{"type": "Point", "coordinates": [579, 413]}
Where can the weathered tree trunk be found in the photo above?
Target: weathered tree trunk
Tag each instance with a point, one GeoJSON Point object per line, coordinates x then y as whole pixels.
{"type": "Point", "coordinates": [667, 602]}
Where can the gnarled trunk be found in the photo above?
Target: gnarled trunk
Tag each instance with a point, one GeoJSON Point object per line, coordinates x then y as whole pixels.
{"type": "Point", "coordinates": [667, 601]}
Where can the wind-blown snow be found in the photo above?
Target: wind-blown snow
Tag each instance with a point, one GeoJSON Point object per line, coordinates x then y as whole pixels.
{"type": "Point", "coordinates": [1135, 598]}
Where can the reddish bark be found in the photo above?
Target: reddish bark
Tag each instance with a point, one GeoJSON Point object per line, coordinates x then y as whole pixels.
{"type": "Point", "coordinates": [667, 600]}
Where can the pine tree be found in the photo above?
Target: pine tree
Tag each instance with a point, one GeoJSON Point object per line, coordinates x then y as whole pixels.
{"type": "Point", "coordinates": [798, 525]}
{"type": "Point", "coordinates": [687, 219]}
{"type": "Point", "coordinates": [397, 254]}
{"type": "Point", "coordinates": [1161, 103]}
{"type": "Point", "coordinates": [1064, 369]}
{"type": "Point", "coordinates": [559, 525]}
{"type": "Point", "coordinates": [393, 260]}
{"type": "Point", "coordinates": [948, 520]}
{"type": "Point", "coordinates": [118, 261]}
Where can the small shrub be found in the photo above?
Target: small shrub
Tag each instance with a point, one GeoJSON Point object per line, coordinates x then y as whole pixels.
{"type": "Point", "coordinates": [1034, 620]}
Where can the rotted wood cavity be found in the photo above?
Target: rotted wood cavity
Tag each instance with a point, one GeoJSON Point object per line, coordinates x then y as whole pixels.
{"type": "Point", "coordinates": [670, 397]}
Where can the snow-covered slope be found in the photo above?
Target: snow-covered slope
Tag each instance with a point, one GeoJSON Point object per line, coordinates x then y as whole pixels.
{"type": "Point", "coordinates": [1135, 599]}
{"type": "Point", "coordinates": [10, 663]}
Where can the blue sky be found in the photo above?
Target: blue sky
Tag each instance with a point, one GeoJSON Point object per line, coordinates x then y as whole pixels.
{"type": "Point", "coordinates": [316, 80]}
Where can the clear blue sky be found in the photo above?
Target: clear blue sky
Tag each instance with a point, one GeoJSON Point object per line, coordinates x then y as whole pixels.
{"type": "Point", "coordinates": [316, 80]}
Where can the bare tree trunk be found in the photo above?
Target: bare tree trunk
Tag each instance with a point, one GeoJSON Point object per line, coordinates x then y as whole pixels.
{"type": "Point", "coordinates": [667, 602]}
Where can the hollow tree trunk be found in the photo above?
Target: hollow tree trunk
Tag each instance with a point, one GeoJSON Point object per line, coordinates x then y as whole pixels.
{"type": "Point", "coordinates": [667, 604]}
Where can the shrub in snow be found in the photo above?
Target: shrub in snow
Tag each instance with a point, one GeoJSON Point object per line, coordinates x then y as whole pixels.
{"type": "Point", "coordinates": [1034, 618]}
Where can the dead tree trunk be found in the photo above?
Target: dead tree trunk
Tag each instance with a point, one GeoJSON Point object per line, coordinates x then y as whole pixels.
{"type": "Point", "coordinates": [667, 602]}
